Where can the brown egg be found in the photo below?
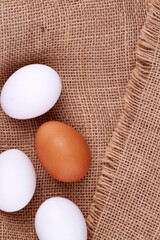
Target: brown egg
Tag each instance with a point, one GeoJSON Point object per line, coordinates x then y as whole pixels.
{"type": "Point", "coordinates": [62, 151]}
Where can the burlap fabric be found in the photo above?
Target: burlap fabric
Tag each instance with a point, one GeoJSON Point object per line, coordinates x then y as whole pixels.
{"type": "Point", "coordinates": [91, 44]}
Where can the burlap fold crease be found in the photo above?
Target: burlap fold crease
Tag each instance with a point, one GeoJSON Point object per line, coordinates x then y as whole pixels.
{"type": "Point", "coordinates": [92, 45]}
{"type": "Point", "coordinates": [127, 200]}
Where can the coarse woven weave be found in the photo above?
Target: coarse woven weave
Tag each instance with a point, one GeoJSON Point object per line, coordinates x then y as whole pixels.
{"type": "Point", "coordinates": [91, 44]}
{"type": "Point", "coordinates": [127, 200]}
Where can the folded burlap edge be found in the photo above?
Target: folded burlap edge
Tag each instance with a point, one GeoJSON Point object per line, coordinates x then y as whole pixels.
{"type": "Point", "coordinates": [144, 55]}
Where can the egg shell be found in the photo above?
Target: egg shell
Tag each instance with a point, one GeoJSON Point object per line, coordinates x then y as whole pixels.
{"type": "Point", "coordinates": [31, 91]}
{"type": "Point", "coordinates": [62, 151]}
{"type": "Point", "coordinates": [60, 219]}
{"type": "Point", "coordinates": [17, 180]}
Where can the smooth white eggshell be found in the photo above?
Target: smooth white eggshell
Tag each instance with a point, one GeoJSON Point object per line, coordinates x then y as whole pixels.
{"type": "Point", "coordinates": [31, 91]}
{"type": "Point", "coordinates": [60, 219]}
{"type": "Point", "coordinates": [17, 180]}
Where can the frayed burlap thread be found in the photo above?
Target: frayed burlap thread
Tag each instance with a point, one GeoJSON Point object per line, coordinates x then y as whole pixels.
{"type": "Point", "coordinates": [91, 44]}
{"type": "Point", "coordinates": [127, 200]}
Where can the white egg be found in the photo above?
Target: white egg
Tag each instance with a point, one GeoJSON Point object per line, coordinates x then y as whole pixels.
{"type": "Point", "coordinates": [17, 180]}
{"type": "Point", "coordinates": [31, 91]}
{"type": "Point", "coordinates": [60, 219]}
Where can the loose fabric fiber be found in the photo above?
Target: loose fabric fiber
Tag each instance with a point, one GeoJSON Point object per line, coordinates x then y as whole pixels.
{"type": "Point", "coordinates": [91, 44]}
{"type": "Point", "coordinates": [127, 200]}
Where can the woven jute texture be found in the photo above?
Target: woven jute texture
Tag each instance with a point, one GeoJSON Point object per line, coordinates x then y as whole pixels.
{"type": "Point", "coordinates": [91, 44]}
{"type": "Point", "coordinates": [127, 200]}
